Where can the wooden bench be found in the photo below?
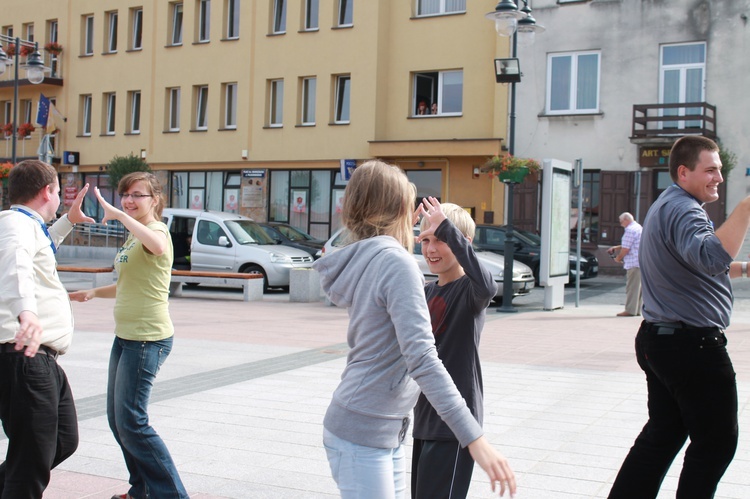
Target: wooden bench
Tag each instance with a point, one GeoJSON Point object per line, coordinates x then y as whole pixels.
{"type": "Point", "coordinates": [252, 284]}
{"type": "Point", "coordinates": [101, 276]}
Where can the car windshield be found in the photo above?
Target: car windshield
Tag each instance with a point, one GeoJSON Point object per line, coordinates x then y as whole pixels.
{"type": "Point", "coordinates": [248, 232]}
{"type": "Point", "coordinates": [528, 237]}
{"type": "Point", "coordinates": [293, 233]}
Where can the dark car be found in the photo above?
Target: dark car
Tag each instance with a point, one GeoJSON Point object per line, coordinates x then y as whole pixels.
{"type": "Point", "coordinates": [292, 236]}
{"type": "Point", "coordinates": [528, 249]}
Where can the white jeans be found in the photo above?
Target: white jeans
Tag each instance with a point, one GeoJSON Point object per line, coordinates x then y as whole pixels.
{"type": "Point", "coordinates": [366, 472]}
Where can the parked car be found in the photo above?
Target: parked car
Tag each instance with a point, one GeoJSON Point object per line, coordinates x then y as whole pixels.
{"type": "Point", "coordinates": [523, 278]}
{"type": "Point", "coordinates": [292, 236]}
{"type": "Point", "coordinates": [528, 249]}
{"type": "Point", "coordinates": [216, 241]}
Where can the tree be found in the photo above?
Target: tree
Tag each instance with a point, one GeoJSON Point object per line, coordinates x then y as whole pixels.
{"type": "Point", "coordinates": [120, 166]}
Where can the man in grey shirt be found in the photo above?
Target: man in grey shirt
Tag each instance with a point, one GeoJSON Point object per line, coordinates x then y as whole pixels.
{"type": "Point", "coordinates": [681, 346]}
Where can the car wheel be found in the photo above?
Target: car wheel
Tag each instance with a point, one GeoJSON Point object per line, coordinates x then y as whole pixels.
{"type": "Point", "coordinates": [257, 269]}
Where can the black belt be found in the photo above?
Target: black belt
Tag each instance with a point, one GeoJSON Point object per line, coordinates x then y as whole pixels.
{"type": "Point", "coordinates": [665, 328]}
{"type": "Point", "coordinates": [11, 348]}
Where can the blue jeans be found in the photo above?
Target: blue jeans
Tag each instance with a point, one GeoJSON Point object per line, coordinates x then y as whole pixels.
{"type": "Point", "coordinates": [691, 392]}
{"type": "Point", "coordinates": [132, 369]}
{"type": "Point", "coordinates": [366, 472]}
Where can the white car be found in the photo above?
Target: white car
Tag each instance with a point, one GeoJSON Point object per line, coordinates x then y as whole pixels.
{"type": "Point", "coordinates": [523, 277]}
{"type": "Point", "coordinates": [215, 241]}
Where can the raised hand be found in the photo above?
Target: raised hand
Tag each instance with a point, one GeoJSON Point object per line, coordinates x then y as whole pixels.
{"type": "Point", "coordinates": [75, 214]}
{"type": "Point", "coordinates": [110, 212]}
{"type": "Point", "coordinates": [433, 212]}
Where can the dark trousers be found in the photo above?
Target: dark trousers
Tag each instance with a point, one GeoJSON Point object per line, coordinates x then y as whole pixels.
{"type": "Point", "coordinates": [39, 418]}
{"type": "Point", "coordinates": [440, 470]}
{"type": "Point", "coordinates": [692, 392]}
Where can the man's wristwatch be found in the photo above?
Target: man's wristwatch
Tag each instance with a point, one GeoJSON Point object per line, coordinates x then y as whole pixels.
{"type": "Point", "coordinates": [744, 269]}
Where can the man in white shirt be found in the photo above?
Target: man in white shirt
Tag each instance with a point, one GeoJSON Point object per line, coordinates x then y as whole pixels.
{"type": "Point", "coordinates": [36, 325]}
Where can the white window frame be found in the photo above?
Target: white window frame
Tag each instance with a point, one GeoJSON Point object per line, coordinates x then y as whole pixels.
{"type": "Point", "coordinates": [88, 35]}
{"type": "Point", "coordinates": [86, 115]}
{"type": "Point", "coordinates": [276, 103]}
{"type": "Point", "coordinates": [309, 91]}
{"type": "Point", "coordinates": [573, 106]}
{"type": "Point", "coordinates": [177, 22]}
{"type": "Point", "coordinates": [278, 23]}
{"type": "Point", "coordinates": [110, 102]}
{"type": "Point", "coordinates": [443, 7]}
{"type": "Point", "coordinates": [342, 101]}
{"type": "Point", "coordinates": [345, 9]}
{"type": "Point", "coordinates": [112, 32]}
{"type": "Point", "coordinates": [312, 15]}
{"type": "Point", "coordinates": [135, 112]}
{"type": "Point", "coordinates": [137, 32]}
{"type": "Point", "coordinates": [28, 30]}
{"type": "Point", "coordinates": [7, 111]}
{"type": "Point", "coordinates": [233, 19]}
{"type": "Point", "coordinates": [683, 69]}
{"type": "Point", "coordinates": [204, 21]}
{"type": "Point", "coordinates": [230, 106]}
{"type": "Point", "coordinates": [201, 107]}
{"type": "Point", "coordinates": [436, 80]}
{"type": "Point", "coordinates": [173, 118]}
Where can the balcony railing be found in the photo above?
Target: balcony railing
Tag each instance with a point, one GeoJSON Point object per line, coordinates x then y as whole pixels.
{"type": "Point", "coordinates": [669, 120]}
{"type": "Point", "coordinates": [52, 62]}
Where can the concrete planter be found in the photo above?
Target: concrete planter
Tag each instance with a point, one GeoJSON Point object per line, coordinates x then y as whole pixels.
{"type": "Point", "coordinates": [304, 285]}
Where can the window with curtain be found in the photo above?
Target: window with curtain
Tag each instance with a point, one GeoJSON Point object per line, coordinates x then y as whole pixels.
{"type": "Point", "coordinates": [343, 95]}
{"type": "Point", "coordinates": [136, 34]}
{"type": "Point", "coordinates": [346, 13]}
{"type": "Point", "coordinates": [176, 38]}
{"type": "Point", "coordinates": [86, 115]}
{"type": "Point", "coordinates": [88, 35]}
{"type": "Point", "coordinates": [110, 101]}
{"type": "Point", "coordinates": [135, 111]}
{"type": "Point", "coordinates": [682, 80]}
{"type": "Point", "coordinates": [201, 107]}
{"type": "Point", "coordinates": [437, 7]}
{"type": "Point", "coordinates": [279, 196]}
{"type": "Point", "coordinates": [279, 16]}
{"type": "Point", "coordinates": [230, 105]}
{"type": "Point", "coordinates": [308, 101]}
{"type": "Point", "coordinates": [112, 31]}
{"type": "Point", "coordinates": [204, 20]}
{"type": "Point", "coordinates": [311, 14]}
{"type": "Point", "coordinates": [276, 103]}
{"type": "Point", "coordinates": [233, 19]}
{"type": "Point", "coordinates": [573, 83]}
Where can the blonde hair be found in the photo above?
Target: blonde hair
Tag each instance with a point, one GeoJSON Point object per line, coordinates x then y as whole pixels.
{"type": "Point", "coordinates": [460, 218]}
{"type": "Point", "coordinates": [379, 200]}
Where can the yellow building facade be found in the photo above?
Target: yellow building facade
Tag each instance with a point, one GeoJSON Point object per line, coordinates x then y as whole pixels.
{"type": "Point", "coordinates": [248, 105]}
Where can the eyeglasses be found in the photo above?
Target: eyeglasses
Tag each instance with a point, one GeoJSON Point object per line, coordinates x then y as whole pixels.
{"type": "Point", "coordinates": [135, 197]}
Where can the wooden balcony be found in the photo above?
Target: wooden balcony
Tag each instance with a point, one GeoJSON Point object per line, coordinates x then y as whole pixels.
{"type": "Point", "coordinates": [667, 121]}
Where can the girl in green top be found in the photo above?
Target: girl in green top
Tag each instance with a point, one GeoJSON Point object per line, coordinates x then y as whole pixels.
{"type": "Point", "coordinates": [143, 332]}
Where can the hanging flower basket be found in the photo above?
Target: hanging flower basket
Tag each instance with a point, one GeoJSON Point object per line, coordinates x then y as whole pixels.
{"type": "Point", "coordinates": [53, 48]}
{"type": "Point", "coordinates": [510, 169]}
{"type": "Point", "coordinates": [5, 170]}
{"type": "Point", "coordinates": [25, 50]}
{"type": "Point", "coordinates": [7, 130]}
{"type": "Point", "coordinates": [10, 49]}
{"type": "Point", "coordinates": [25, 130]}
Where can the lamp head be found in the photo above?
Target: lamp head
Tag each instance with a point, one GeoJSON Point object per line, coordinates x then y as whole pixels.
{"type": "Point", "coordinates": [3, 60]}
{"type": "Point", "coordinates": [35, 68]}
{"type": "Point", "coordinates": [505, 15]}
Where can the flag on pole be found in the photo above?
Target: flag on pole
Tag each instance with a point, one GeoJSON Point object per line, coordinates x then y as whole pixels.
{"type": "Point", "coordinates": [42, 114]}
{"type": "Point", "coordinates": [55, 120]}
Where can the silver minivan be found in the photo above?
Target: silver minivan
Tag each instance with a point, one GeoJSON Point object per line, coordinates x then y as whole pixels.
{"type": "Point", "coordinates": [215, 241]}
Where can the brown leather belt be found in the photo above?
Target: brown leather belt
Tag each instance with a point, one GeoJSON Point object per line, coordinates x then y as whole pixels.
{"type": "Point", "coordinates": [11, 348]}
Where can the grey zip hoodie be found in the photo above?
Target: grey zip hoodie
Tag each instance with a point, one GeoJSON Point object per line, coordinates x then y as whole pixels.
{"type": "Point", "coordinates": [392, 346]}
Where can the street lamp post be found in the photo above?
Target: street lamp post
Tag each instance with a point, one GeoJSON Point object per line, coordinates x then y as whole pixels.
{"type": "Point", "coordinates": [509, 21]}
{"type": "Point", "coordinates": [35, 70]}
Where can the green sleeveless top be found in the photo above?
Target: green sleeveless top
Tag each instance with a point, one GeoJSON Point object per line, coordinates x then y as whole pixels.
{"type": "Point", "coordinates": [142, 307]}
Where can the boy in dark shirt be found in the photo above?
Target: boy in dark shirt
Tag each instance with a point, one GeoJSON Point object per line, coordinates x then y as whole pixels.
{"type": "Point", "coordinates": [457, 301]}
